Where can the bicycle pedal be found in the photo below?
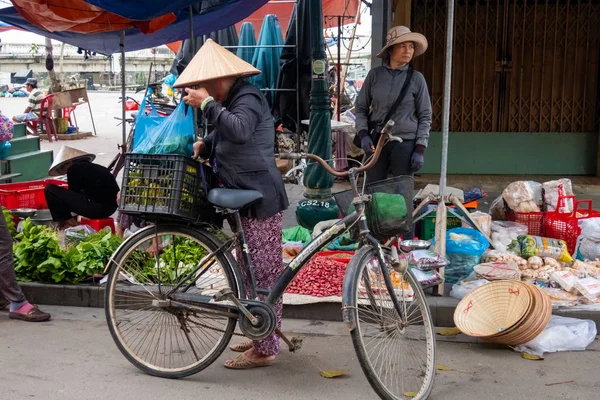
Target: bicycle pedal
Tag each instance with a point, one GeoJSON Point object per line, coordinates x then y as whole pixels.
{"type": "Point", "coordinates": [297, 343]}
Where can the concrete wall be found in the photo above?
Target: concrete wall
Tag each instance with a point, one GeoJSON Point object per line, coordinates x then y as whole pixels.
{"type": "Point", "coordinates": [515, 153]}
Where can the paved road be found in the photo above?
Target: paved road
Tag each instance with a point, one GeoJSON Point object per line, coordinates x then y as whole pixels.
{"type": "Point", "coordinates": [74, 358]}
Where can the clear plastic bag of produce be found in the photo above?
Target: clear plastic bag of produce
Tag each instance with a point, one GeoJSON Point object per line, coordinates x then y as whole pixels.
{"type": "Point", "coordinates": [528, 246]}
{"type": "Point", "coordinates": [464, 248]}
{"type": "Point", "coordinates": [523, 196]}
{"type": "Point", "coordinates": [426, 260]}
{"type": "Point", "coordinates": [504, 232]}
{"type": "Point", "coordinates": [173, 136]}
{"type": "Point", "coordinates": [461, 289]}
{"type": "Point", "coordinates": [427, 279]}
{"type": "Point", "coordinates": [76, 234]}
{"type": "Point", "coordinates": [561, 334]}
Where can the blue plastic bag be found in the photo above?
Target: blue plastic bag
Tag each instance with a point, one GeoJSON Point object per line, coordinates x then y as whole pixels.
{"type": "Point", "coordinates": [463, 255]}
{"type": "Point", "coordinates": [145, 123]}
{"type": "Point", "coordinates": [175, 135]}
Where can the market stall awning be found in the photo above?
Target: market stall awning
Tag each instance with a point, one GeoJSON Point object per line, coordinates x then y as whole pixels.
{"type": "Point", "coordinates": [212, 16]}
{"type": "Point", "coordinates": [80, 17]}
{"type": "Point", "coordinates": [148, 9]}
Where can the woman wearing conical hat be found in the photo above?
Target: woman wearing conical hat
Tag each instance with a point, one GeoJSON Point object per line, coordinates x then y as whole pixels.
{"type": "Point", "coordinates": [241, 150]}
{"type": "Point", "coordinates": [92, 191]}
{"type": "Point", "coordinates": [378, 98]}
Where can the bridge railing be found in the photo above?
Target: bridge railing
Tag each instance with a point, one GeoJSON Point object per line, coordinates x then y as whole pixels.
{"type": "Point", "coordinates": [25, 49]}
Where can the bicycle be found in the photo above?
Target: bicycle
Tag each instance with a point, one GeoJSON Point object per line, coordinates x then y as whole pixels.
{"type": "Point", "coordinates": [173, 322]}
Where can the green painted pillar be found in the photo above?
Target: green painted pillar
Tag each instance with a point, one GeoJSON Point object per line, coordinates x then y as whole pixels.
{"type": "Point", "coordinates": [319, 205]}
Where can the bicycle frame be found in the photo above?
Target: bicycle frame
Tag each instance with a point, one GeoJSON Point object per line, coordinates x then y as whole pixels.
{"type": "Point", "coordinates": [293, 268]}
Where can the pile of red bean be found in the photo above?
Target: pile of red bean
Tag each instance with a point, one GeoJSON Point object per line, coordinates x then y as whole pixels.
{"type": "Point", "coordinates": [321, 277]}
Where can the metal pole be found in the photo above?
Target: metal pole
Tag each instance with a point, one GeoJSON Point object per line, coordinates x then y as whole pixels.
{"type": "Point", "coordinates": [298, 124]}
{"type": "Point", "coordinates": [339, 68]}
{"type": "Point", "coordinates": [447, 93]}
{"type": "Point", "coordinates": [193, 52]}
{"type": "Point", "coordinates": [124, 124]}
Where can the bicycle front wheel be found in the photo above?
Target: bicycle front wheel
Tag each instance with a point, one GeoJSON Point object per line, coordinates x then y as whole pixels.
{"type": "Point", "coordinates": [396, 350]}
{"type": "Point", "coordinates": [167, 341]}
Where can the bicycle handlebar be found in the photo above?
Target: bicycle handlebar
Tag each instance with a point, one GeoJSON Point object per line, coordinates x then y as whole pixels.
{"type": "Point", "coordinates": [383, 138]}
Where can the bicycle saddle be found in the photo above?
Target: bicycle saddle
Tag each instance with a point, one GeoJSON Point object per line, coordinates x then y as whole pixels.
{"type": "Point", "coordinates": [233, 198]}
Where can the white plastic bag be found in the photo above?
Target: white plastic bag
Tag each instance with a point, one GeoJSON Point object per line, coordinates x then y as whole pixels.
{"type": "Point", "coordinates": [504, 232]}
{"type": "Point", "coordinates": [561, 334]}
{"type": "Point", "coordinates": [461, 289]}
{"type": "Point", "coordinates": [590, 229]}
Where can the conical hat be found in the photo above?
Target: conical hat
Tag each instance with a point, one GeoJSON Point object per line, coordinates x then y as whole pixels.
{"type": "Point", "coordinates": [66, 154]}
{"type": "Point", "coordinates": [213, 62]}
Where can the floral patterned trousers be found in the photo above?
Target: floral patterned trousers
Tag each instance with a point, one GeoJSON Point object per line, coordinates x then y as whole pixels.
{"type": "Point", "coordinates": [263, 236]}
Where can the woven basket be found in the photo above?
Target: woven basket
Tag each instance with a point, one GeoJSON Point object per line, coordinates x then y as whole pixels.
{"type": "Point", "coordinates": [493, 308]}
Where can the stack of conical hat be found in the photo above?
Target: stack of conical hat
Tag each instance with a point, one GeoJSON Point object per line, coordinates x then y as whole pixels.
{"type": "Point", "coordinates": [504, 312]}
{"type": "Point", "coordinates": [213, 61]}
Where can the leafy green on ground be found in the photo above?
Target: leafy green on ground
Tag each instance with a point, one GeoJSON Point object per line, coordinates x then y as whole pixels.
{"type": "Point", "coordinates": [39, 257]}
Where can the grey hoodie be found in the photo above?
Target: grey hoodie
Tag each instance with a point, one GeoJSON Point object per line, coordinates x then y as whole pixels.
{"type": "Point", "coordinates": [380, 91]}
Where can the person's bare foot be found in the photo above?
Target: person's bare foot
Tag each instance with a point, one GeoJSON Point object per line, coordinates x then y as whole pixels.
{"type": "Point", "coordinates": [249, 359]}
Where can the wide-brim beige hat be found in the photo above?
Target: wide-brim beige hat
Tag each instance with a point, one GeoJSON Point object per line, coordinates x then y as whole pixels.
{"type": "Point", "coordinates": [401, 34]}
{"type": "Point", "coordinates": [65, 155]}
{"type": "Point", "coordinates": [213, 61]}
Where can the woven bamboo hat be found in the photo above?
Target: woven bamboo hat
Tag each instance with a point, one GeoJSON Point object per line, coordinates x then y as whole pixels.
{"type": "Point", "coordinates": [213, 61]}
{"type": "Point", "coordinates": [67, 154]}
{"type": "Point", "coordinates": [532, 325]}
{"type": "Point", "coordinates": [401, 34]}
{"type": "Point", "coordinates": [492, 308]}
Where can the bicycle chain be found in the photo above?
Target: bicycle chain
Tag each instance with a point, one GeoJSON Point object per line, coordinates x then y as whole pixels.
{"type": "Point", "coordinates": [212, 327]}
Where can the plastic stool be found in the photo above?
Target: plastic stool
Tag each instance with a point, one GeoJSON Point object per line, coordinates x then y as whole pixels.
{"type": "Point", "coordinates": [99, 224]}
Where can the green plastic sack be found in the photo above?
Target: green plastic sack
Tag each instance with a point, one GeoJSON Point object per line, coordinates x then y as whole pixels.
{"type": "Point", "coordinates": [296, 234]}
{"type": "Point", "coordinates": [386, 206]}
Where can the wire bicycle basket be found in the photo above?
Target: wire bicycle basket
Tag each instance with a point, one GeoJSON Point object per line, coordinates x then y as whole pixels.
{"type": "Point", "coordinates": [389, 213]}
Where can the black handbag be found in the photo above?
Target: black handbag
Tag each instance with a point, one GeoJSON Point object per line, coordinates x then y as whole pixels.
{"type": "Point", "coordinates": [375, 129]}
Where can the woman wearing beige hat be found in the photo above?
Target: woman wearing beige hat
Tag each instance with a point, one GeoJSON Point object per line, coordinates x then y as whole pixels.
{"type": "Point", "coordinates": [241, 149]}
{"type": "Point", "coordinates": [394, 91]}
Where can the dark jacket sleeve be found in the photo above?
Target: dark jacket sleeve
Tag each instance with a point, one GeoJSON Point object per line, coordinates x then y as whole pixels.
{"type": "Point", "coordinates": [363, 104]}
{"type": "Point", "coordinates": [238, 122]}
{"type": "Point", "coordinates": [423, 111]}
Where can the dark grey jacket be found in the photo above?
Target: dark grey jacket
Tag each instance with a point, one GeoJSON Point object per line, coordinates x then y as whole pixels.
{"type": "Point", "coordinates": [243, 143]}
{"type": "Point", "coordinates": [380, 91]}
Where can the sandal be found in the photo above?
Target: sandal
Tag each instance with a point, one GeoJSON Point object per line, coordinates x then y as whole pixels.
{"type": "Point", "coordinates": [243, 362]}
{"type": "Point", "coordinates": [34, 315]}
{"type": "Point", "coordinates": [241, 347]}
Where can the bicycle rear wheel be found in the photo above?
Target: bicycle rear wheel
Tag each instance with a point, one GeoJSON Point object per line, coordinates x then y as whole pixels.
{"type": "Point", "coordinates": [167, 341]}
{"type": "Point", "coordinates": [395, 350]}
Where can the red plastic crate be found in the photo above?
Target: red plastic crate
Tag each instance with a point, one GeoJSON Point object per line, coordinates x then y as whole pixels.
{"type": "Point", "coordinates": [565, 226]}
{"type": "Point", "coordinates": [27, 194]}
{"type": "Point", "coordinates": [533, 220]}
{"type": "Point", "coordinates": [99, 224]}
